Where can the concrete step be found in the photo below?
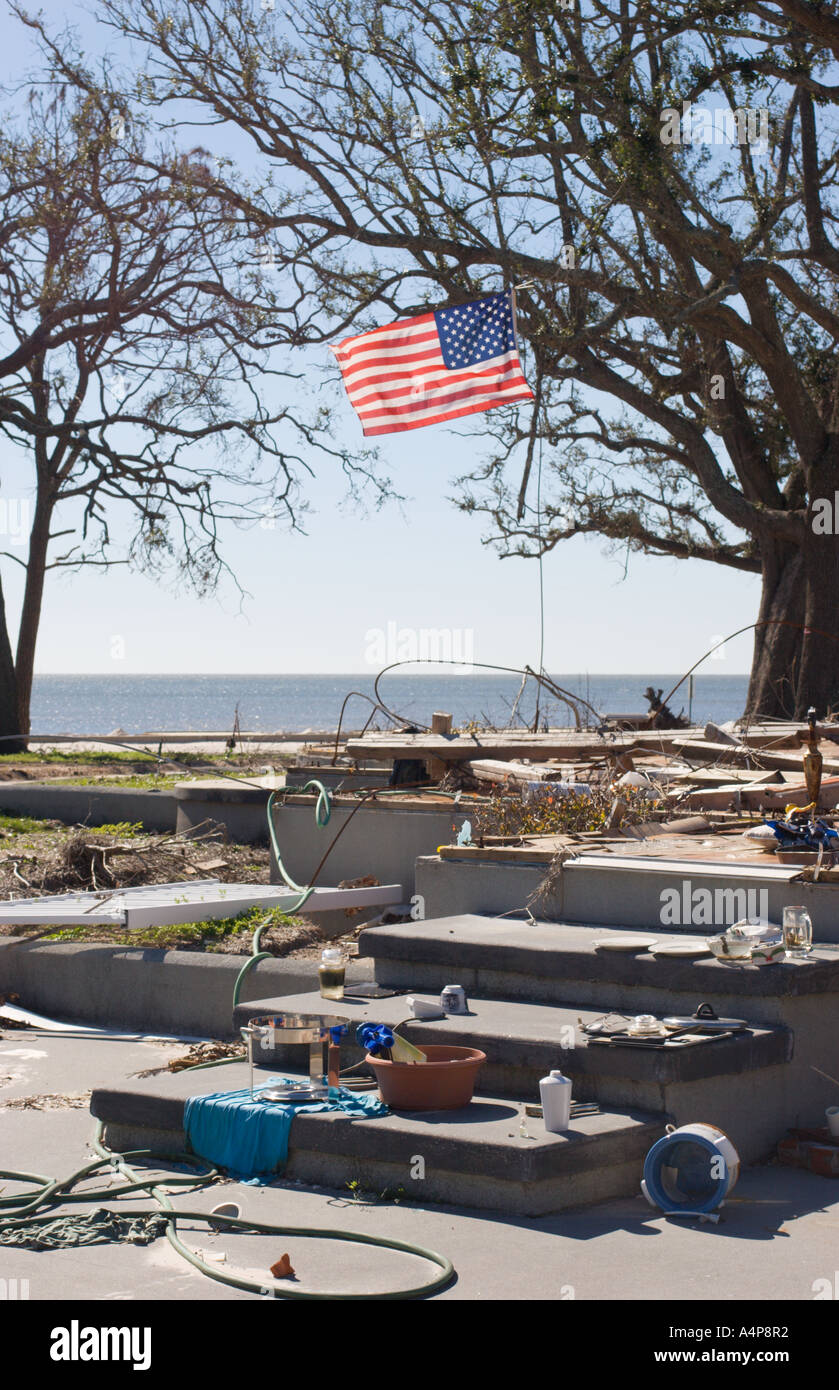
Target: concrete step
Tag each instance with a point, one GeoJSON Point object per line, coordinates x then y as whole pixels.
{"type": "Point", "coordinates": [630, 889]}
{"type": "Point", "coordinates": [554, 962]}
{"type": "Point", "coordinates": [523, 1042]}
{"type": "Point", "coordinates": [476, 1156]}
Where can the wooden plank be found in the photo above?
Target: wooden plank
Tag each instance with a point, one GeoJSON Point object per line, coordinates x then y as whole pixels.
{"type": "Point", "coordinates": [441, 723]}
{"type": "Point", "coordinates": [497, 770]}
{"type": "Point", "coordinates": [773, 796]}
{"type": "Point", "coordinates": [716, 777]}
{"type": "Point", "coordinates": [524, 854]}
{"type": "Point", "coordinates": [704, 751]}
{"type": "Point", "coordinates": [509, 744]}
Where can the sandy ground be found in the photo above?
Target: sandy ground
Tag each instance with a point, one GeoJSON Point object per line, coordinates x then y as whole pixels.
{"type": "Point", "coordinates": [180, 743]}
{"type": "Point", "coordinates": [778, 1238]}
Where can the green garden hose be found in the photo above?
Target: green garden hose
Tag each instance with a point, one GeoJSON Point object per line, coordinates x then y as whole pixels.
{"type": "Point", "coordinates": [29, 1208]}
{"type": "Point", "coordinates": [323, 811]}
{"type": "Point", "coordinates": [52, 1192]}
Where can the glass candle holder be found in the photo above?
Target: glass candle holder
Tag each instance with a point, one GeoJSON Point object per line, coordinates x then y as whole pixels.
{"type": "Point", "coordinates": [331, 973]}
{"type": "Point", "coordinates": [798, 931]}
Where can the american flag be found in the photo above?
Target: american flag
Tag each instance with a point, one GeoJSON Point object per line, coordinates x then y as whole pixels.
{"type": "Point", "coordinates": [434, 367]}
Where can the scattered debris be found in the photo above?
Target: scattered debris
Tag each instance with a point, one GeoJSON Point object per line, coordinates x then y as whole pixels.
{"type": "Point", "coordinates": [814, 1149]}
{"type": "Point", "coordinates": [283, 1269]}
{"type": "Point", "coordinates": [197, 1055]}
{"type": "Point", "coordinates": [5, 1019]}
{"type": "Point", "coordinates": [65, 1100]}
{"type": "Point", "coordinates": [662, 715]}
{"type": "Point", "coordinates": [54, 859]}
{"type": "Point", "coordinates": [366, 881]}
{"type": "Point", "coordinates": [98, 1227]}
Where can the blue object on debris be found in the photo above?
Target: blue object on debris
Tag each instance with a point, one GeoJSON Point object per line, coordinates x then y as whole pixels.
{"type": "Point", "coordinates": [249, 1138]}
{"type": "Point", "coordinates": [374, 1037]}
{"type": "Point", "coordinates": [796, 833]}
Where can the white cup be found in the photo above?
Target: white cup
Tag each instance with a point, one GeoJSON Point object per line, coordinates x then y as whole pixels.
{"type": "Point", "coordinates": [832, 1114]}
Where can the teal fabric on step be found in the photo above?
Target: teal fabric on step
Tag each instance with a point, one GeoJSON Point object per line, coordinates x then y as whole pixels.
{"type": "Point", "coordinates": [249, 1138]}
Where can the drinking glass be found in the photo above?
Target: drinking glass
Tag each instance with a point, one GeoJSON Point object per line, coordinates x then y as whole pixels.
{"type": "Point", "coordinates": [798, 931]}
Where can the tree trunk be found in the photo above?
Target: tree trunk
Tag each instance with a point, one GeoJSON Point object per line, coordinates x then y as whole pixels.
{"type": "Point", "coordinates": [773, 686]}
{"type": "Point", "coordinates": [796, 652]}
{"type": "Point", "coordinates": [9, 723]}
{"type": "Point", "coordinates": [818, 678]}
{"type": "Point", "coordinates": [30, 615]}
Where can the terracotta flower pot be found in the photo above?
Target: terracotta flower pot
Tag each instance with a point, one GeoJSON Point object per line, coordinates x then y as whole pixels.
{"type": "Point", "coordinates": [445, 1082]}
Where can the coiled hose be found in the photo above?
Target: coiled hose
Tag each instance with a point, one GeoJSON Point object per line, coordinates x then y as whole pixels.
{"type": "Point", "coordinates": [30, 1214]}
{"type": "Point", "coordinates": [29, 1208]}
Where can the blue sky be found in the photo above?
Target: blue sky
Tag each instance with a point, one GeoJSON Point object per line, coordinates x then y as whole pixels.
{"type": "Point", "coordinates": [312, 600]}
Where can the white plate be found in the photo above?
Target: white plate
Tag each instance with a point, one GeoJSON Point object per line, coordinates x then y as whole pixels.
{"type": "Point", "coordinates": [686, 949]}
{"type": "Point", "coordinates": [625, 943]}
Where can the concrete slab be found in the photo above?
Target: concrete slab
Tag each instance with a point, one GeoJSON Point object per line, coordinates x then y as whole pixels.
{"type": "Point", "coordinates": [775, 1242]}
{"type": "Point", "coordinates": [546, 962]}
{"type": "Point", "coordinates": [720, 1079]}
{"type": "Point", "coordinates": [625, 890]}
{"type": "Point", "coordinates": [91, 805]}
{"type": "Point", "coordinates": [144, 988]}
{"type": "Point", "coordinates": [383, 837]}
{"type": "Point", "coordinates": [536, 1037]}
{"type": "Point", "coordinates": [476, 1153]}
{"type": "Point", "coordinates": [34, 1062]}
{"type": "Point", "coordinates": [545, 958]}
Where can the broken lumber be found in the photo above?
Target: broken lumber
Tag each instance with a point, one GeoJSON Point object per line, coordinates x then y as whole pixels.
{"type": "Point", "coordinates": [441, 723]}
{"type": "Point", "coordinates": [508, 744]}
{"type": "Point", "coordinates": [496, 770]}
{"type": "Point", "coordinates": [770, 796]}
{"type": "Point", "coordinates": [703, 751]}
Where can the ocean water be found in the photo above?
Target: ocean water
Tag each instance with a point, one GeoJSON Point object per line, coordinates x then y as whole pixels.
{"type": "Point", "coordinates": [294, 703]}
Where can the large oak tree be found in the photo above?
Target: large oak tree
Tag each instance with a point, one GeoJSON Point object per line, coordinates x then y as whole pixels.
{"type": "Point", "coordinates": [139, 312]}
{"type": "Point", "coordinates": [681, 314]}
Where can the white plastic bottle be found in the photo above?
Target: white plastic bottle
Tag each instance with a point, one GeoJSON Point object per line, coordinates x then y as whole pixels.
{"type": "Point", "coordinates": [555, 1090]}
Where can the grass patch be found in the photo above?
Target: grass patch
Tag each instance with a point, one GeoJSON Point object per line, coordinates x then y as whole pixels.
{"type": "Point", "coordinates": [104, 757]}
{"type": "Point", "coordinates": [23, 825]}
{"type": "Point", "coordinates": [31, 825]}
{"type": "Point", "coordinates": [199, 936]}
{"type": "Point", "coordinates": [99, 756]}
{"type": "Point", "coordinates": [123, 829]}
{"type": "Point", "coordinates": [140, 782]}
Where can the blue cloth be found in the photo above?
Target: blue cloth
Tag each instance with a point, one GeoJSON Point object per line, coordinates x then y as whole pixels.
{"type": "Point", "coordinates": [249, 1139]}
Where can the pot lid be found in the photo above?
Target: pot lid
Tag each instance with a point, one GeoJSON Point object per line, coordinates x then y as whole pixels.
{"type": "Point", "coordinates": [707, 1019]}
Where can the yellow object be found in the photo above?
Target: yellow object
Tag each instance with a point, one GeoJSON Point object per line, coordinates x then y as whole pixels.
{"type": "Point", "coordinates": [788, 810]}
{"type": "Point", "coordinates": [403, 1051]}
